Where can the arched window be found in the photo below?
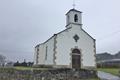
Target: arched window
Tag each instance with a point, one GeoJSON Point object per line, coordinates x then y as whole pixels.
{"type": "Point", "coordinates": [76, 18]}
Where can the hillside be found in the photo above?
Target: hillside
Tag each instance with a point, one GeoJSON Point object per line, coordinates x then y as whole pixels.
{"type": "Point", "coordinates": [107, 56]}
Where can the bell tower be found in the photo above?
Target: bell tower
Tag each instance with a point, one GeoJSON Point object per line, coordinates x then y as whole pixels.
{"type": "Point", "coordinates": [73, 16]}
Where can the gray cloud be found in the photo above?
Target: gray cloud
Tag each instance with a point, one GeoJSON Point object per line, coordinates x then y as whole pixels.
{"type": "Point", "coordinates": [25, 23]}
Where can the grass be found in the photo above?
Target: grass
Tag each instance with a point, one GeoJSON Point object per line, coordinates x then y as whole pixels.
{"type": "Point", "coordinates": [114, 71]}
{"type": "Point", "coordinates": [22, 68]}
{"type": "Point", "coordinates": [29, 68]}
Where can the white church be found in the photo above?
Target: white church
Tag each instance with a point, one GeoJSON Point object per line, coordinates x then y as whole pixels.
{"type": "Point", "coordinates": [70, 48]}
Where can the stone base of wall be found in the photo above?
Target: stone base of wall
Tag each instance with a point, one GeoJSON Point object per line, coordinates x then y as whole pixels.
{"type": "Point", "coordinates": [48, 74]}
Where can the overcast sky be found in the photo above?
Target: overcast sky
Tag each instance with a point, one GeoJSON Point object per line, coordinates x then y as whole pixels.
{"type": "Point", "coordinates": [25, 23]}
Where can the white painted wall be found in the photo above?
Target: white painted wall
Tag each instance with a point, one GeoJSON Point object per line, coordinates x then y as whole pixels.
{"type": "Point", "coordinates": [41, 56]}
{"type": "Point", "coordinates": [50, 51]}
{"type": "Point", "coordinates": [65, 42]}
{"type": "Point", "coordinates": [35, 56]}
{"type": "Point", "coordinates": [42, 53]}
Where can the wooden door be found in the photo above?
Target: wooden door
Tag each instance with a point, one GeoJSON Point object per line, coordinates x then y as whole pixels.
{"type": "Point", "coordinates": [76, 59]}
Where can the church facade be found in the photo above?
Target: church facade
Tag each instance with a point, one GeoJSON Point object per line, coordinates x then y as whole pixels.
{"type": "Point", "coordinates": [70, 48]}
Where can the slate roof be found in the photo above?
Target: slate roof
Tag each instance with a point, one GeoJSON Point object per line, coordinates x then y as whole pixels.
{"type": "Point", "coordinates": [73, 10]}
{"type": "Point", "coordinates": [52, 37]}
{"type": "Point", "coordinates": [61, 32]}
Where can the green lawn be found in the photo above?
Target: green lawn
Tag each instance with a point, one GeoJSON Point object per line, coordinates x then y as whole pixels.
{"type": "Point", "coordinates": [114, 71]}
{"type": "Point", "coordinates": [29, 68]}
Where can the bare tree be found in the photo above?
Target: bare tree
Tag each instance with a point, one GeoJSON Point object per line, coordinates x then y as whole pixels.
{"type": "Point", "coordinates": [2, 60]}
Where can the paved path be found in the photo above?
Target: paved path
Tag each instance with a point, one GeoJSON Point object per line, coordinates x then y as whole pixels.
{"type": "Point", "coordinates": [107, 76]}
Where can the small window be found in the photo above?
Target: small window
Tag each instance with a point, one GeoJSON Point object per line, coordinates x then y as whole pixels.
{"type": "Point", "coordinates": [38, 49]}
{"type": "Point", "coordinates": [68, 17]}
{"type": "Point", "coordinates": [37, 57]}
{"type": "Point", "coordinates": [76, 18]}
{"type": "Point", "coordinates": [46, 53]}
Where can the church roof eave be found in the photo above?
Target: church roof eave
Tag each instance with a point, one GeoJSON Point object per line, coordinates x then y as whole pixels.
{"type": "Point", "coordinates": [63, 30]}
{"type": "Point", "coordinates": [51, 37]}
{"type": "Point", "coordinates": [45, 41]}
{"type": "Point", "coordinates": [73, 10]}
{"type": "Point", "coordinates": [88, 34]}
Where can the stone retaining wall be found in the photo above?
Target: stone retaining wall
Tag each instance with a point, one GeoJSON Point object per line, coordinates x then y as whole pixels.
{"type": "Point", "coordinates": [50, 74]}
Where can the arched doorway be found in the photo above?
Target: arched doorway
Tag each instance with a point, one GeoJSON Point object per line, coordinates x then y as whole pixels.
{"type": "Point", "coordinates": [76, 59]}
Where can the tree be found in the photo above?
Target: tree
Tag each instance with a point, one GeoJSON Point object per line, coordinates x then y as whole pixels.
{"type": "Point", "coordinates": [24, 63]}
{"type": "Point", "coordinates": [30, 64]}
{"type": "Point", "coordinates": [2, 60]}
{"type": "Point", "coordinates": [17, 63]}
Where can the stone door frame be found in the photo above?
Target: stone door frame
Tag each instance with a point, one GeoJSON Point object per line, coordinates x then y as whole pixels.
{"type": "Point", "coordinates": [76, 54]}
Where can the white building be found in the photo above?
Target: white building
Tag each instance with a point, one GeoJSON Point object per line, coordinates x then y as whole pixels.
{"type": "Point", "coordinates": [70, 48]}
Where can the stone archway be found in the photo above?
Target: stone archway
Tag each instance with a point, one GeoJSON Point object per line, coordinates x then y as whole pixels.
{"type": "Point", "coordinates": [76, 59]}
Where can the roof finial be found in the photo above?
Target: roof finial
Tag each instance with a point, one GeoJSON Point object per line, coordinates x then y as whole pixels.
{"type": "Point", "coordinates": [74, 4]}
